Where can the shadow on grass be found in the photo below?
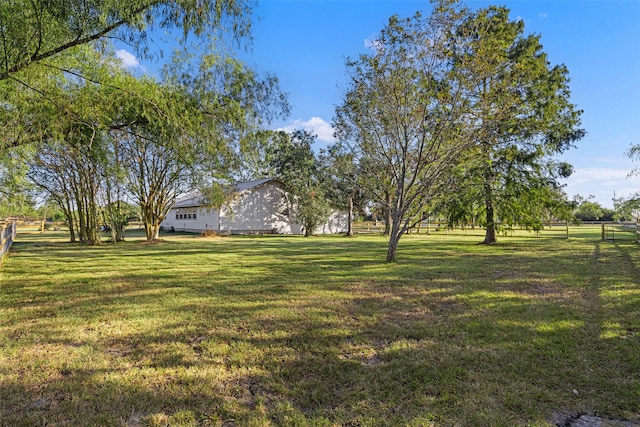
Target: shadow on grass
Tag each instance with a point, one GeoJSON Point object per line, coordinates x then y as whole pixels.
{"type": "Point", "coordinates": [299, 331]}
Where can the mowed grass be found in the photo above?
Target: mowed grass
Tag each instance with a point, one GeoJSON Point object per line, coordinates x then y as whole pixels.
{"type": "Point", "coordinates": [271, 331]}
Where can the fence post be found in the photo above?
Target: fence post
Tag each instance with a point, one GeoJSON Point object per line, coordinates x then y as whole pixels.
{"type": "Point", "coordinates": [603, 236]}
{"type": "Point", "coordinates": [7, 236]}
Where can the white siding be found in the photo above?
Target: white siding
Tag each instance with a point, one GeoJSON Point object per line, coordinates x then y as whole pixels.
{"type": "Point", "coordinates": [337, 223]}
{"type": "Point", "coordinates": [206, 219]}
{"type": "Point", "coordinates": [260, 209]}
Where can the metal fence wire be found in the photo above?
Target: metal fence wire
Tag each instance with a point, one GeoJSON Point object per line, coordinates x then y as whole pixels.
{"type": "Point", "coordinates": [620, 232]}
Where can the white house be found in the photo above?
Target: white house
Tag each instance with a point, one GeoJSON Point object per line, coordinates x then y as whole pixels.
{"type": "Point", "coordinates": [255, 207]}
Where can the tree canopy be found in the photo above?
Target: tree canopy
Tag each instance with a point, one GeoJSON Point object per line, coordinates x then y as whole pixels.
{"type": "Point", "coordinates": [36, 30]}
{"type": "Point", "coordinates": [295, 163]}
{"type": "Point", "coordinates": [111, 135]}
{"type": "Point", "coordinates": [521, 116]}
{"type": "Point", "coordinates": [92, 134]}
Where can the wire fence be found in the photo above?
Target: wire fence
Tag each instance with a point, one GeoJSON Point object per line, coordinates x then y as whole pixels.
{"type": "Point", "coordinates": [616, 232]}
{"type": "Point", "coordinates": [553, 228]}
{"type": "Point", "coordinates": [621, 231]}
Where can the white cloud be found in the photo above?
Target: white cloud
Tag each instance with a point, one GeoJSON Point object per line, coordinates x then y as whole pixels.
{"type": "Point", "coordinates": [315, 125]}
{"type": "Point", "coordinates": [127, 58]}
{"type": "Point", "coordinates": [373, 44]}
{"type": "Point", "coordinates": [606, 176]}
{"type": "Point", "coordinates": [543, 15]}
{"type": "Point", "coordinates": [602, 183]}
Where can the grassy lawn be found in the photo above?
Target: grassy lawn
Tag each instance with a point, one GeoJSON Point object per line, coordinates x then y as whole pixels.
{"type": "Point", "coordinates": [272, 330]}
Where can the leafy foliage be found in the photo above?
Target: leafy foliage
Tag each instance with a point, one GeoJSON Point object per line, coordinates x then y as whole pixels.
{"type": "Point", "coordinates": [142, 140]}
{"type": "Point", "coordinates": [35, 31]}
{"type": "Point", "coordinates": [342, 177]}
{"type": "Point", "coordinates": [459, 112]}
{"type": "Point", "coordinates": [295, 163]}
{"type": "Point", "coordinates": [521, 115]}
{"type": "Point", "coordinates": [404, 117]}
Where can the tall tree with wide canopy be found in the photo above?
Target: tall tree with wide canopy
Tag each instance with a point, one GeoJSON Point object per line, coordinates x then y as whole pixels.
{"type": "Point", "coordinates": [521, 116]}
{"type": "Point", "coordinates": [404, 115]}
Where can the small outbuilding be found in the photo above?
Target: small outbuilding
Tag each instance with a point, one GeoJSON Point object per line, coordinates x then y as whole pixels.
{"type": "Point", "coordinates": [260, 207]}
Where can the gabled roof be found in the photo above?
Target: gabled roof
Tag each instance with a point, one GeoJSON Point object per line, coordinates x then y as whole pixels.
{"type": "Point", "coordinates": [195, 199]}
{"type": "Point", "coordinates": [244, 186]}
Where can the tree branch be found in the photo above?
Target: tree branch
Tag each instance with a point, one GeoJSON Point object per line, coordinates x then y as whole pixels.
{"type": "Point", "coordinates": [36, 57]}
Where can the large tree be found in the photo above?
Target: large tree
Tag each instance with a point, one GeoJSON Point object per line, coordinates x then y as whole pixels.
{"type": "Point", "coordinates": [295, 163]}
{"type": "Point", "coordinates": [69, 157]}
{"type": "Point", "coordinates": [404, 115]}
{"type": "Point", "coordinates": [521, 116]}
{"type": "Point", "coordinates": [144, 140]}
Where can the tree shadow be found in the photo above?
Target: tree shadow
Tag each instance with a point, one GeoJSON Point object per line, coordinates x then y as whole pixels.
{"type": "Point", "coordinates": [451, 334]}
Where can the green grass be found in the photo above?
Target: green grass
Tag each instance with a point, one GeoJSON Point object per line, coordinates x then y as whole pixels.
{"type": "Point", "coordinates": [319, 331]}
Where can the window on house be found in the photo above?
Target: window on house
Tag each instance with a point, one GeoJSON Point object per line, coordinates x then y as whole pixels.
{"type": "Point", "coordinates": [187, 213]}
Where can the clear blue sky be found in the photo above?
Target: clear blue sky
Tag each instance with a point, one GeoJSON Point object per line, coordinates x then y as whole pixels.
{"type": "Point", "coordinates": [305, 43]}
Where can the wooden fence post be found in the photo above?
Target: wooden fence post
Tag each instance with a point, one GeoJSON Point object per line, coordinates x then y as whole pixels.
{"type": "Point", "coordinates": [7, 236]}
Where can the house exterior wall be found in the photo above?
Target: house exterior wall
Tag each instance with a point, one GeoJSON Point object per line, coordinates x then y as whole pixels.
{"type": "Point", "coordinates": [206, 219]}
{"type": "Point", "coordinates": [338, 222]}
{"type": "Point", "coordinates": [260, 209]}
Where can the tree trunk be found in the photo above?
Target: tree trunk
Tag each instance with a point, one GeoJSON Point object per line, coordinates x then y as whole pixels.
{"type": "Point", "coordinates": [68, 213]}
{"type": "Point", "coordinates": [488, 177]}
{"type": "Point", "coordinates": [387, 214]}
{"type": "Point", "coordinates": [155, 232]}
{"type": "Point", "coordinates": [394, 238]}
{"type": "Point", "coordinates": [350, 218]}
{"type": "Point", "coordinates": [151, 226]}
{"type": "Point", "coordinates": [388, 222]}
{"type": "Point", "coordinates": [391, 250]}
{"type": "Point", "coordinates": [490, 235]}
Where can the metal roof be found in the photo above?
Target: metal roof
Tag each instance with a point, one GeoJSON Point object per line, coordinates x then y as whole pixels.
{"type": "Point", "coordinates": [195, 199]}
